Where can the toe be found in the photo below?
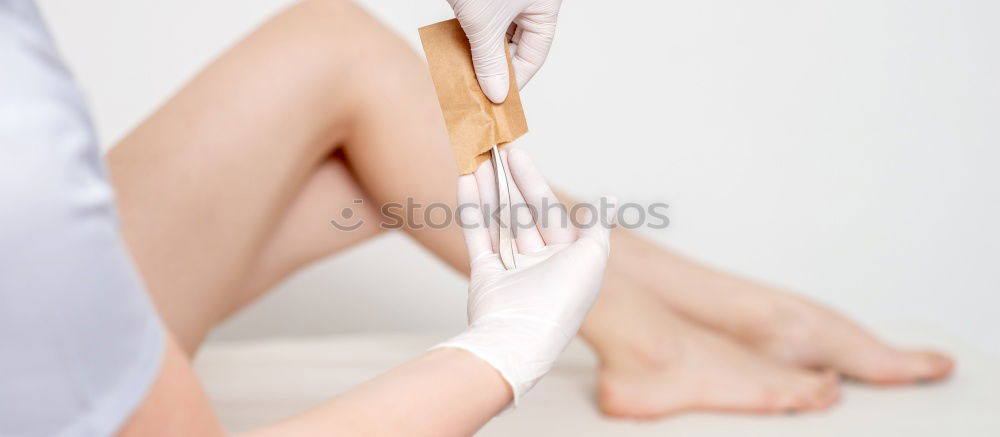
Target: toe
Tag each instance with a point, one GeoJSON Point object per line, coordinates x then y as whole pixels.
{"type": "Point", "coordinates": [828, 392]}
{"type": "Point", "coordinates": [887, 366]}
{"type": "Point", "coordinates": [923, 366]}
{"type": "Point", "coordinates": [906, 367]}
{"type": "Point", "coordinates": [820, 391]}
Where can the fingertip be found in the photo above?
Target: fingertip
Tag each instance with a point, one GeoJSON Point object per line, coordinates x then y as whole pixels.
{"type": "Point", "coordinates": [483, 166]}
{"type": "Point", "coordinates": [466, 183]}
{"type": "Point", "coordinates": [517, 160]}
{"type": "Point", "coordinates": [602, 216]}
{"type": "Point", "coordinates": [514, 153]}
{"type": "Point", "coordinates": [521, 164]}
{"type": "Point", "coordinates": [465, 179]}
{"type": "Point", "coordinates": [593, 229]}
{"type": "Point", "coordinates": [495, 88]}
{"type": "Point", "coordinates": [485, 171]}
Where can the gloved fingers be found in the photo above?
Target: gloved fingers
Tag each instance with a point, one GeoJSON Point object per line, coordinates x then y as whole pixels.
{"type": "Point", "coordinates": [531, 42]}
{"type": "Point", "coordinates": [470, 215]}
{"type": "Point", "coordinates": [489, 58]}
{"type": "Point", "coordinates": [486, 180]}
{"type": "Point", "coordinates": [552, 219]}
{"type": "Point", "coordinates": [595, 225]}
{"type": "Point", "coordinates": [523, 219]}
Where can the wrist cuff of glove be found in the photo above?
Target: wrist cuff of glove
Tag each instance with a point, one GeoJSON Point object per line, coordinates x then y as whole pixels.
{"type": "Point", "coordinates": [522, 360]}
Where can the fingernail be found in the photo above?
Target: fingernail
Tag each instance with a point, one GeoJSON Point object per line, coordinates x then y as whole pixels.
{"type": "Point", "coordinates": [495, 87]}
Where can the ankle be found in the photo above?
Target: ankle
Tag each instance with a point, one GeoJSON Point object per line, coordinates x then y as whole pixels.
{"type": "Point", "coordinates": [628, 328]}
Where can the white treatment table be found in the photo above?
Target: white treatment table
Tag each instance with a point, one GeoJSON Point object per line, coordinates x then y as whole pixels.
{"type": "Point", "coordinates": [256, 382]}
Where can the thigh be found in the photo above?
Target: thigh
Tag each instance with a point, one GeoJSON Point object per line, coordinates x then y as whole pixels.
{"type": "Point", "coordinates": [206, 180]}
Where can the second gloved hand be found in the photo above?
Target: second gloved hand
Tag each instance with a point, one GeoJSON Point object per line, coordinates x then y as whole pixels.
{"type": "Point", "coordinates": [530, 25]}
{"type": "Point", "coordinates": [521, 320]}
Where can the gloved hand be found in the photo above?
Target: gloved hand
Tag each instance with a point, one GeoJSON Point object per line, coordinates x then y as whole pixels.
{"type": "Point", "coordinates": [530, 25]}
{"type": "Point", "coordinates": [521, 320]}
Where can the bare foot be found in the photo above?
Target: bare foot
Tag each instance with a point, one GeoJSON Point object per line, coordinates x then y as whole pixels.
{"type": "Point", "coordinates": [654, 363]}
{"type": "Point", "coordinates": [807, 334]}
{"type": "Point", "coordinates": [787, 328]}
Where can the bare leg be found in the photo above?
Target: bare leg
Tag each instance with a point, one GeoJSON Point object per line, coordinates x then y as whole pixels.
{"type": "Point", "coordinates": [206, 183]}
{"type": "Point", "coordinates": [778, 324]}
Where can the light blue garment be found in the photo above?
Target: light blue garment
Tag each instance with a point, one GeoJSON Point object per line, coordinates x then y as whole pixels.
{"type": "Point", "coordinates": [80, 343]}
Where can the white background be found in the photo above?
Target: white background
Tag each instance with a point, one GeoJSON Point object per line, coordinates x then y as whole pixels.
{"type": "Point", "coordinates": [845, 149]}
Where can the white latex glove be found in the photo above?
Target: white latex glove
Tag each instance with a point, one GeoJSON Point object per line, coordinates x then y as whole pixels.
{"type": "Point", "coordinates": [530, 25]}
{"type": "Point", "coordinates": [521, 320]}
